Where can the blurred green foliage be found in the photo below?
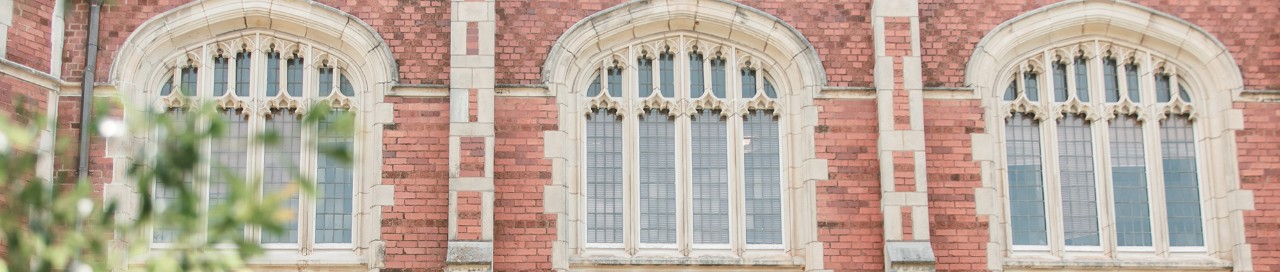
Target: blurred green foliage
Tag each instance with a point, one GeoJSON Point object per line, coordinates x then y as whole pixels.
{"type": "Point", "coordinates": [64, 225]}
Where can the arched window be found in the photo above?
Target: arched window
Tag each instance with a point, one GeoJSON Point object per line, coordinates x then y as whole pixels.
{"type": "Point", "coordinates": [263, 81]}
{"type": "Point", "coordinates": [688, 133]}
{"type": "Point", "coordinates": [1100, 152]}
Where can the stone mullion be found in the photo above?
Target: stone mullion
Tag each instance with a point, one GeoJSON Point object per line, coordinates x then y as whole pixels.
{"type": "Point", "coordinates": [471, 71]}
{"type": "Point", "coordinates": [898, 70]}
{"type": "Point", "coordinates": [1099, 128]}
{"type": "Point", "coordinates": [737, 193]}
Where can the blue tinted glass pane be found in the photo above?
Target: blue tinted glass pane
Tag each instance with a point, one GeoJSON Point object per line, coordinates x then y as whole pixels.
{"type": "Point", "coordinates": [294, 79]}
{"type": "Point", "coordinates": [1031, 84]}
{"type": "Point", "coordinates": [1162, 89]}
{"type": "Point", "coordinates": [280, 162]}
{"type": "Point", "coordinates": [1183, 93]}
{"type": "Point", "coordinates": [1129, 183]}
{"type": "Point", "coordinates": [227, 153]}
{"type": "Point", "coordinates": [1059, 82]}
{"type": "Point", "coordinates": [345, 87]}
{"type": "Point", "coordinates": [710, 171]}
{"type": "Point", "coordinates": [189, 76]}
{"type": "Point", "coordinates": [1011, 93]}
{"type": "Point", "coordinates": [718, 77]}
{"type": "Point", "coordinates": [167, 88]}
{"type": "Point", "coordinates": [1109, 79]}
{"type": "Point", "coordinates": [644, 76]}
{"type": "Point", "coordinates": [666, 65]}
{"type": "Point", "coordinates": [762, 178]}
{"type": "Point", "coordinates": [273, 74]}
{"type": "Point", "coordinates": [326, 81]}
{"type": "Point", "coordinates": [657, 178]}
{"type": "Point", "coordinates": [220, 76]}
{"type": "Point", "coordinates": [768, 89]}
{"type": "Point", "coordinates": [1026, 183]}
{"type": "Point", "coordinates": [604, 178]}
{"type": "Point", "coordinates": [748, 83]}
{"type": "Point", "coordinates": [1079, 198]}
{"type": "Point", "coordinates": [594, 88]}
{"type": "Point", "coordinates": [1082, 79]}
{"type": "Point", "coordinates": [696, 87]}
{"type": "Point", "coordinates": [333, 184]}
{"type": "Point", "coordinates": [1181, 184]}
{"type": "Point", "coordinates": [1131, 76]}
{"type": "Point", "coordinates": [242, 73]}
{"type": "Point", "coordinates": [615, 82]}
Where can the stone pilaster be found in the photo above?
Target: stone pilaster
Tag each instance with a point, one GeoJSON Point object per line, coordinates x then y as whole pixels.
{"type": "Point", "coordinates": [471, 136]}
{"type": "Point", "coordinates": [900, 110]}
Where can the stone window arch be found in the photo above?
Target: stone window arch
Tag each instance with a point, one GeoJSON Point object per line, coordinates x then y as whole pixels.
{"type": "Point", "coordinates": [1110, 143]}
{"type": "Point", "coordinates": [633, 99]}
{"type": "Point", "coordinates": [263, 64]}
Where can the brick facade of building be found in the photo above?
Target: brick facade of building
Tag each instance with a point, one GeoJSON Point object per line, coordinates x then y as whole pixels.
{"type": "Point", "coordinates": [850, 217]}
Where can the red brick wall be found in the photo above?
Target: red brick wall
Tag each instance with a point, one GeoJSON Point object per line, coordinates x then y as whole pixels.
{"type": "Point", "coordinates": [523, 234]}
{"type": "Point", "coordinates": [850, 224]}
{"type": "Point", "coordinates": [1259, 150]}
{"type": "Point", "coordinates": [15, 92]}
{"type": "Point", "coordinates": [950, 29]}
{"type": "Point", "coordinates": [415, 161]}
{"type": "Point", "coordinates": [959, 236]}
{"type": "Point", "coordinates": [29, 36]}
{"type": "Point", "coordinates": [416, 31]}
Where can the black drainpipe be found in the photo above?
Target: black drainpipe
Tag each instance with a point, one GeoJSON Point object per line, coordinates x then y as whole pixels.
{"type": "Point", "coordinates": [86, 91]}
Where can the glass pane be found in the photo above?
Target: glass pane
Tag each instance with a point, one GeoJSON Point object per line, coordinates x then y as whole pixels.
{"type": "Point", "coordinates": [718, 77]}
{"type": "Point", "coordinates": [167, 88]}
{"type": "Point", "coordinates": [227, 154]}
{"type": "Point", "coordinates": [615, 82]}
{"type": "Point", "coordinates": [1162, 89]}
{"type": "Point", "coordinates": [242, 73]}
{"type": "Point", "coordinates": [1026, 183]}
{"type": "Point", "coordinates": [1082, 79]}
{"type": "Point", "coordinates": [1011, 93]}
{"type": "Point", "coordinates": [762, 178]}
{"type": "Point", "coordinates": [220, 76]}
{"type": "Point", "coordinates": [710, 172]}
{"type": "Point", "coordinates": [696, 87]}
{"type": "Point", "coordinates": [1059, 82]}
{"type": "Point", "coordinates": [1183, 93]}
{"type": "Point", "coordinates": [594, 88]}
{"type": "Point", "coordinates": [333, 185]}
{"type": "Point", "coordinates": [273, 73]}
{"type": "Point", "coordinates": [1129, 183]}
{"type": "Point", "coordinates": [1079, 198]}
{"type": "Point", "coordinates": [604, 178]}
{"type": "Point", "coordinates": [769, 90]}
{"type": "Point", "coordinates": [1031, 84]}
{"type": "Point", "coordinates": [1109, 79]}
{"type": "Point", "coordinates": [326, 81]}
{"type": "Point", "coordinates": [1131, 75]}
{"type": "Point", "coordinates": [344, 86]}
{"type": "Point", "coordinates": [1181, 185]}
{"type": "Point", "coordinates": [657, 178]}
{"type": "Point", "coordinates": [280, 163]}
{"type": "Point", "coordinates": [748, 83]}
{"type": "Point", "coordinates": [294, 73]}
{"type": "Point", "coordinates": [644, 76]}
{"type": "Point", "coordinates": [164, 232]}
{"type": "Point", "coordinates": [189, 77]}
{"type": "Point", "coordinates": [666, 65]}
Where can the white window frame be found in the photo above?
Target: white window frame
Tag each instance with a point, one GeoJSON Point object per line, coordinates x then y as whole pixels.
{"type": "Point", "coordinates": [257, 105]}
{"type": "Point", "coordinates": [1099, 112]}
{"type": "Point", "coordinates": [630, 106]}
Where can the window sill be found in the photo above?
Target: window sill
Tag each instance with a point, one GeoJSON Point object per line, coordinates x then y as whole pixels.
{"type": "Point", "coordinates": [1095, 262]}
{"type": "Point", "coordinates": [707, 262]}
{"type": "Point", "coordinates": [290, 258]}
